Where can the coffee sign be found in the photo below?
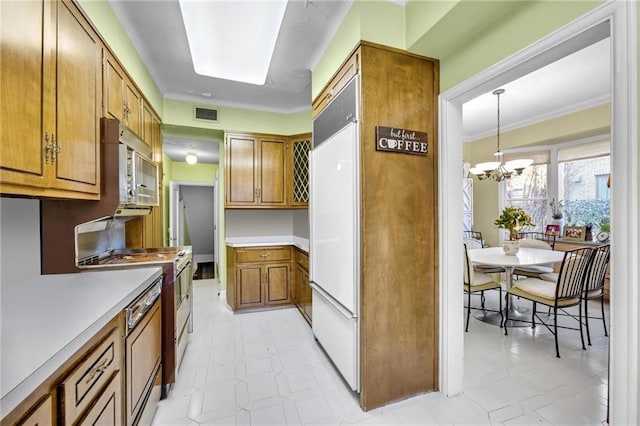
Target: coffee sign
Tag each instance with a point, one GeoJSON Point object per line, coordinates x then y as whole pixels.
{"type": "Point", "coordinates": [401, 140]}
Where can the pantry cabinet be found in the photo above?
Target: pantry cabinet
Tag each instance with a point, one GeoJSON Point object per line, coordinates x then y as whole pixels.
{"type": "Point", "coordinates": [258, 277]}
{"type": "Point", "coordinates": [123, 100]}
{"type": "Point", "coordinates": [255, 171]}
{"type": "Point", "coordinates": [50, 74]}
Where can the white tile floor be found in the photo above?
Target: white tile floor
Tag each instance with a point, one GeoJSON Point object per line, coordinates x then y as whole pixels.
{"type": "Point", "coordinates": [266, 369]}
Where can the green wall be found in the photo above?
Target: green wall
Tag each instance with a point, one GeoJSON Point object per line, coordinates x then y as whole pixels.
{"type": "Point", "coordinates": [107, 24]}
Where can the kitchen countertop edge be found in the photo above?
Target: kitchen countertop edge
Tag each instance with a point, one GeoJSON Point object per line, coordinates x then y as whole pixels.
{"type": "Point", "coordinates": [279, 240]}
{"type": "Point", "coordinates": [23, 389]}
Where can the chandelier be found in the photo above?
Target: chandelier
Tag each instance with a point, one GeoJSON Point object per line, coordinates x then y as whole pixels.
{"type": "Point", "coordinates": [499, 170]}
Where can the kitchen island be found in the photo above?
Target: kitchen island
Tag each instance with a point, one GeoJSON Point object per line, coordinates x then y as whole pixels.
{"type": "Point", "coordinates": [46, 319]}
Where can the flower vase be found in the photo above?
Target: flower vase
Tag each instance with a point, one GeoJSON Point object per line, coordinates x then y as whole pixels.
{"type": "Point", "coordinates": [511, 247]}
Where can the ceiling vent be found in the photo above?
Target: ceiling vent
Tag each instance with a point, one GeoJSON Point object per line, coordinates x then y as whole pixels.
{"type": "Point", "coordinates": [206, 114]}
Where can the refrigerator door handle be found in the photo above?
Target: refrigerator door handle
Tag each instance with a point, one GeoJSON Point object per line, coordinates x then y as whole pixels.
{"type": "Point", "coordinates": [345, 312]}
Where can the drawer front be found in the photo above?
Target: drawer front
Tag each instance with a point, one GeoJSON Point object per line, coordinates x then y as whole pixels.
{"type": "Point", "coordinates": [303, 260]}
{"type": "Point", "coordinates": [107, 410]}
{"type": "Point", "coordinates": [86, 381]}
{"type": "Point", "coordinates": [263, 254]}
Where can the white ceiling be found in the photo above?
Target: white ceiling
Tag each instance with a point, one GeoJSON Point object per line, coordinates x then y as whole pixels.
{"type": "Point", "coordinates": [578, 81]}
{"type": "Point", "coordinates": [156, 30]}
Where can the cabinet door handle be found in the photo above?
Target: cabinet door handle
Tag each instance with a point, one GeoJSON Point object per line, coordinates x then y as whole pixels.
{"type": "Point", "coordinates": [47, 147]}
{"type": "Point", "coordinates": [54, 148]}
{"type": "Point", "coordinates": [264, 255]}
{"type": "Point", "coordinates": [98, 370]}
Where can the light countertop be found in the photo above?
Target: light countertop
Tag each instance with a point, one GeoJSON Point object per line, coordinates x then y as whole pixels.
{"type": "Point", "coordinates": [265, 241]}
{"type": "Point", "coordinates": [47, 318]}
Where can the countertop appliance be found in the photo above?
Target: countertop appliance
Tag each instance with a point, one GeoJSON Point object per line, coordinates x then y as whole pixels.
{"type": "Point", "coordinates": [335, 232]}
{"type": "Point", "coordinates": [100, 245]}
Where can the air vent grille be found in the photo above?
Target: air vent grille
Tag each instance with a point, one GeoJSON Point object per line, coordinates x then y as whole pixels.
{"type": "Point", "coordinates": [206, 114]}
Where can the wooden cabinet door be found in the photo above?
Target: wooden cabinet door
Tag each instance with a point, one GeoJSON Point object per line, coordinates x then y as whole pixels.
{"type": "Point", "coordinates": [22, 78]}
{"type": "Point", "coordinates": [240, 165]}
{"type": "Point", "coordinates": [114, 77]}
{"type": "Point", "coordinates": [147, 125]}
{"type": "Point", "coordinates": [42, 415]}
{"type": "Point", "coordinates": [298, 163]}
{"type": "Point", "coordinates": [77, 103]}
{"type": "Point", "coordinates": [272, 188]}
{"type": "Point", "coordinates": [107, 410]}
{"type": "Point", "coordinates": [277, 279]}
{"type": "Point", "coordinates": [133, 108]}
{"type": "Point", "coordinates": [143, 353]}
{"type": "Point", "coordinates": [249, 286]}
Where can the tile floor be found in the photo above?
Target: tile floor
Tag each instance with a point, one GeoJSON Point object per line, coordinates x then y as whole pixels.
{"type": "Point", "coordinates": [266, 369]}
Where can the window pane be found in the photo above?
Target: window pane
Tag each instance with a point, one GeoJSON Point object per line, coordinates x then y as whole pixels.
{"type": "Point", "coordinates": [582, 185]}
{"type": "Point", "coordinates": [529, 191]}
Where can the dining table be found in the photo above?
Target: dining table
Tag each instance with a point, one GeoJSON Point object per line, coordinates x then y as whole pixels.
{"type": "Point", "coordinates": [495, 256]}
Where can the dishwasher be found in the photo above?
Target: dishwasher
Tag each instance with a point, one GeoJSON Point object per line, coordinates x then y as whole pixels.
{"type": "Point", "coordinates": [143, 353]}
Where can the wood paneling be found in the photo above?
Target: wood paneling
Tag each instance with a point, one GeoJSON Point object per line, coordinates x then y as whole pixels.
{"type": "Point", "coordinates": [399, 247]}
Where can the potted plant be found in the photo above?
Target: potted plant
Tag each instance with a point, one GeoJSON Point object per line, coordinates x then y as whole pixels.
{"type": "Point", "coordinates": [557, 213]}
{"type": "Point", "coordinates": [513, 219]}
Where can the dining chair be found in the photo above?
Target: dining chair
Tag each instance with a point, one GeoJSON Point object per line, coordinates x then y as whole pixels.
{"type": "Point", "coordinates": [540, 236]}
{"type": "Point", "coordinates": [474, 235]}
{"type": "Point", "coordinates": [564, 293]}
{"type": "Point", "coordinates": [534, 270]}
{"type": "Point", "coordinates": [594, 284]}
{"type": "Point", "coordinates": [473, 244]}
{"type": "Point", "coordinates": [474, 282]}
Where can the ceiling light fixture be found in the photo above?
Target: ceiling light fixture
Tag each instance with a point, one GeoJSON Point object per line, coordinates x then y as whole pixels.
{"type": "Point", "coordinates": [233, 40]}
{"type": "Point", "coordinates": [499, 170]}
{"type": "Point", "coordinates": [191, 158]}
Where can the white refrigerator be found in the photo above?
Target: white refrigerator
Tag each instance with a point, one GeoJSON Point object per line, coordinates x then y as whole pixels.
{"type": "Point", "coordinates": [334, 249]}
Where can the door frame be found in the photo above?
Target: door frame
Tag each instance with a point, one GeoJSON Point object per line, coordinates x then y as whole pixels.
{"type": "Point", "coordinates": [621, 17]}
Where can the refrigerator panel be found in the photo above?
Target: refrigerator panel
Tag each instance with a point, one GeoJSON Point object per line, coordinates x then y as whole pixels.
{"type": "Point", "coordinates": [342, 110]}
{"type": "Point", "coordinates": [334, 207]}
{"type": "Point", "coordinates": [338, 335]}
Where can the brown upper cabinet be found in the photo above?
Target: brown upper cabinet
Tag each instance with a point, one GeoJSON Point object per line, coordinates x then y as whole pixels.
{"type": "Point", "coordinates": [50, 75]}
{"type": "Point", "coordinates": [266, 171]}
{"type": "Point", "coordinates": [298, 162]}
{"type": "Point", "coordinates": [255, 171]}
{"type": "Point", "coordinates": [123, 100]}
{"type": "Point", "coordinates": [339, 80]}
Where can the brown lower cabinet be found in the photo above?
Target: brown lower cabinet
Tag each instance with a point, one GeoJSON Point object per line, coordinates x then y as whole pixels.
{"type": "Point", "coordinates": [302, 288]}
{"type": "Point", "coordinates": [87, 389]}
{"type": "Point", "coordinates": [258, 277]}
{"type": "Point", "coordinates": [112, 380]}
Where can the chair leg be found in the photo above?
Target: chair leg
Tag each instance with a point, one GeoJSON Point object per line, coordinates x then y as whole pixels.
{"type": "Point", "coordinates": [500, 302]}
{"type": "Point", "coordinates": [555, 330]}
{"type": "Point", "coordinates": [482, 299]}
{"type": "Point", "coordinates": [468, 311]}
{"type": "Point", "coordinates": [586, 320]}
{"type": "Point", "coordinates": [580, 322]}
{"type": "Point", "coordinates": [506, 313]}
{"type": "Point", "coordinates": [533, 315]}
{"type": "Point", "coordinates": [604, 322]}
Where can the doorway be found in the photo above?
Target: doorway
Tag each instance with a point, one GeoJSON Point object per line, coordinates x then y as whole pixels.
{"type": "Point", "coordinates": [620, 18]}
{"type": "Point", "coordinates": [193, 222]}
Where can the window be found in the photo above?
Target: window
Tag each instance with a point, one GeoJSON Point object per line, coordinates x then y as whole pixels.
{"type": "Point", "coordinates": [578, 174]}
{"type": "Point", "coordinates": [529, 191]}
{"type": "Point", "coordinates": [602, 187]}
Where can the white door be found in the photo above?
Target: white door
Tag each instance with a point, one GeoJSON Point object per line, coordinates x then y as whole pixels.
{"type": "Point", "coordinates": [174, 224]}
